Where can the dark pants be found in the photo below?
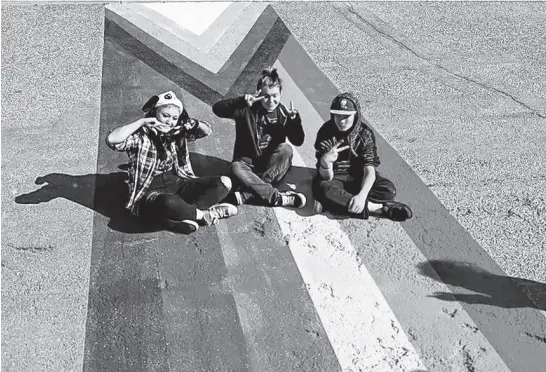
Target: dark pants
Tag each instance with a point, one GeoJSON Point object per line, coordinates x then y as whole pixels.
{"type": "Point", "coordinates": [254, 180]}
{"type": "Point", "coordinates": [336, 194]}
{"type": "Point", "coordinates": [177, 199]}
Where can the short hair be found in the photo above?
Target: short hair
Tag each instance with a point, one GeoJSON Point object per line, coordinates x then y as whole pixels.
{"type": "Point", "coordinates": [270, 78]}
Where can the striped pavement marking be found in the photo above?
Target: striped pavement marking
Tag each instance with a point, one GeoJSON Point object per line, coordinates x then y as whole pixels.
{"type": "Point", "coordinates": [157, 270]}
{"type": "Point", "coordinates": [210, 50]}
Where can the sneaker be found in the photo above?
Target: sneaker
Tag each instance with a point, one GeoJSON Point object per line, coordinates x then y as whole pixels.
{"type": "Point", "coordinates": [394, 211]}
{"type": "Point", "coordinates": [317, 207]}
{"type": "Point", "coordinates": [217, 212]}
{"type": "Point", "coordinates": [239, 197]}
{"type": "Point", "coordinates": [291, 199]}
{"type": "Point", "coordinates": [184, 227]}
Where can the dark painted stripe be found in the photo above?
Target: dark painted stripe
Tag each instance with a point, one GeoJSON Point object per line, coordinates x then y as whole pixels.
{"type": "Point", "coordinates": [266, 282]}
{"type": "Point", "coordinates": [438, 235]}
{"type": "Point", "coordinates": [157, 300]}
{"type": "Point", "coordinates": [124, 330]}
{"type": "Point", "coordinates": [264, 57]}
{"type": "Point", "coordinates": [220, 82]}
{"type": "Point", "coordinates": [282, 329]}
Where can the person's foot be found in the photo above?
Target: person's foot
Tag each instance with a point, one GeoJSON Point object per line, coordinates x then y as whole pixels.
{"type": "Point", "coordinates": [317, 207]}
{"type": "Point", "coordinates": [239, 198]}
{"type": "Point", "coordinates": [184, 227]}
{"type": "Point", "coordinates": [291, 199]}
{"type": "Point", "coordinates": [217, 212]}
{"type": "Point", "coordinates": [394, 211]}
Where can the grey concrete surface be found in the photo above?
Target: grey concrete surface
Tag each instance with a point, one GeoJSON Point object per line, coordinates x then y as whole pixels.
{"type": "Point", "coordinates": [51, 76]}
{"type": "Point", "coordinates": [455, 88]}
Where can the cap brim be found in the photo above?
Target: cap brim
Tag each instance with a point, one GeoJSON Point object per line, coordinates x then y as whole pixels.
{"type": "Point", "coordinates": [342, 112]}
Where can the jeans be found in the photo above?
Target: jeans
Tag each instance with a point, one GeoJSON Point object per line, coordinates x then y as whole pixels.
{"type": "Point", "coordinates": [335, 195]}
{"type": "Point", "coordinates": [254, 180]}
{"type": "Point", "coordinates": [174, 198]}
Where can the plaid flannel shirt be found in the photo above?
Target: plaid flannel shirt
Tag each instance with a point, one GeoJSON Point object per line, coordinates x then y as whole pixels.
{"type": "Point", "coordinates": [143, 159]}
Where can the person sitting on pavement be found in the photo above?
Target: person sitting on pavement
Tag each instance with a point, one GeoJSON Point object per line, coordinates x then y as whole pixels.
{"type": "Point", "coordinates": [261, 156]}
{"type": "Point", "coordinates": [162, 184]}
{"type": "Point", "coordinates": [347, 181]}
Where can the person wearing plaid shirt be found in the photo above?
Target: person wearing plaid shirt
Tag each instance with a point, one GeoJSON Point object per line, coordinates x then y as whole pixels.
{"type": "Point", "coordinates": [162, 184]}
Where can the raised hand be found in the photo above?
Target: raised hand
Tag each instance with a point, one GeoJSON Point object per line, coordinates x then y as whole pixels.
{"type": "Point", "coordinates": [327, 145]}
{"type": "Point", "coordinates": [331, 155]}
{"type": "Point", "coordinates": [251, 98]}
{"type": "Point", "coordinates": [292, 112]}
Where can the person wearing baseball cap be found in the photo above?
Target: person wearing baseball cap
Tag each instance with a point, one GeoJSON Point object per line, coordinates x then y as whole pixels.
{"type": "Point", "coordinates": [162, 184]}
{"type": "Point", "coordinates": [347, 179]}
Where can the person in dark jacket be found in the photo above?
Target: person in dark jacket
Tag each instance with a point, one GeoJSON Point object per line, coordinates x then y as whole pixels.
{"type": "Point", "coordinates": [347, 180]}
{"type": "Point", "coordinates": [261, 155]}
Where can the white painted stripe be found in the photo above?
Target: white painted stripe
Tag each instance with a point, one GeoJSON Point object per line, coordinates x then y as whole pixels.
{"type": "Point", "coordinates": [362, 328]}
{"type": "Point", "coordinates": [195, 16]}
{"type": "Point", "coordinates": [352, 307]}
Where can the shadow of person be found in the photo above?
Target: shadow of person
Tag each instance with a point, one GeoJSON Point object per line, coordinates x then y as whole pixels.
{"type": "Point", "coordinates": [107, 193]}
{"type": "Point", "coordinates": [103, 193]}
{"type": "Point", "coordinates": [491, 289]}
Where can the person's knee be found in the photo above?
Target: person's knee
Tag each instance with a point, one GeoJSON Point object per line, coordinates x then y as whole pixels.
{"type": "Point", "coordinates": [238, 168]}
{"type": "Point", "coordinates": [285, 150]}
{"type": "Point", "coordinates": [321, 187]}
{"type": "Point", "coordinates": [226, 182]}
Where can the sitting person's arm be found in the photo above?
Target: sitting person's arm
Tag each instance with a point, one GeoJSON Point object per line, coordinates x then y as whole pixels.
{"type": "Point", "coordinates": [196, 129]}
{"type": "Point", "coordinates": [367, 156]}
{"type": "Point", "coordinates": [293, 127]}
{"type": "Point", "coordinates": [327, 154]}
{"type": "Point", "coordinates": [122, 138]}
{"type": "Point", "coordinates": [226, 108]}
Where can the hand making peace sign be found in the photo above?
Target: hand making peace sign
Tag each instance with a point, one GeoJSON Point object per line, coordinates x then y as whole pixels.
{"type": "Point", "coordinates": [331, 155]}
{"type": "Point", "coordinates": [251, 98]}
{"type": "Point", "coordinates": [292, 112]}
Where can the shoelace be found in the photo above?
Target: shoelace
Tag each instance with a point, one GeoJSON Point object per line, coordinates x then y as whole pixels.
{"type": "Point", "coordinates": [289, 199]}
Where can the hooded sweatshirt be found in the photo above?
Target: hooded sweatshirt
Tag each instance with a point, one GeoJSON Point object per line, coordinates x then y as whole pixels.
{"type": "Point", "coordinates": [360, 138]}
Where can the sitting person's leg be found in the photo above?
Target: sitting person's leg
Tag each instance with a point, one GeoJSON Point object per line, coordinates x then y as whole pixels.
{"type": "Point", "coordinates": [171, 211]}
{"type": "Point", "coordinates": [204, 192]}
{"type": "Point", "coordinates": [278, 163]}
{"type": "Point", "coordinates": [270, 169]}
{"type": "Point", "coordinates": [381, 201]}
{"type": "Point", "coordinates": [332, 195]}
{"type": "Point", "coordinates": [336, 194]}
{"type": "Point", "coordinates": [251, 185]}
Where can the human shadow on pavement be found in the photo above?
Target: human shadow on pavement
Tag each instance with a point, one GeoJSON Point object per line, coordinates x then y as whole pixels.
{"type": "Point", "coordinates": [107, 193]}
{"type": "Point", "coordinates": [491, 289]}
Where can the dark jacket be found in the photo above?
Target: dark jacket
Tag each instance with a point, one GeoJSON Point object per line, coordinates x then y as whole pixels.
{"type": "Point", "coordinates": [360, 138]}
{"type": "Point", "coordinates": [246, 140]}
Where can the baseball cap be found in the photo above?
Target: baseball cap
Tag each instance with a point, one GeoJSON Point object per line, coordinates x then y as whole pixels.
{"type": "Point", "coordinates": [342, 106]}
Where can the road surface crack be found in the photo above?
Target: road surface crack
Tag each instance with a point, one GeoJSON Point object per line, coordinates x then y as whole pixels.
{"type": "Point", "coordinates": [536, 337]}
{"type": "Point", "coordinates": [405, 47]}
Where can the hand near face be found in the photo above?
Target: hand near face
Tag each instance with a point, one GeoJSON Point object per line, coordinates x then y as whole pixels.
{"type": "Point", "coordinates": [251, 98]}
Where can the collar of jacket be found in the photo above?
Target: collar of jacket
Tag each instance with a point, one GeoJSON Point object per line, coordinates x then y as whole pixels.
{"type": "Point", "coordinates": [282, 114]}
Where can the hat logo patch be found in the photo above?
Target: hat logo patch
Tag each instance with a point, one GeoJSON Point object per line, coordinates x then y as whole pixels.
{"type": "Point", "coordinates": [343, 103]}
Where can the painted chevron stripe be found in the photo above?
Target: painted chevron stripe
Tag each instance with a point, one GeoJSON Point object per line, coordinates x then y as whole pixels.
{"type": "Point", "coordinates": [275, 290]}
